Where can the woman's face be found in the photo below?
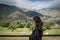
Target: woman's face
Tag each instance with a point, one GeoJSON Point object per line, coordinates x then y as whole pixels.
{"type": "Point", "coordinates": [33, 21]}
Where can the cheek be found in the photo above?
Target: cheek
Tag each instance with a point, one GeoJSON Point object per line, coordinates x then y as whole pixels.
{"type": "Point", "coordinates": [33, 21]}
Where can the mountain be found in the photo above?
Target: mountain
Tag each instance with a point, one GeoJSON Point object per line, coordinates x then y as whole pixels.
{"type": "Point", "coordinates": [51, 15]}
{"type": "Point", "coordinates": [33, 13]}
{"type": "Point", "coordinates": [11, 13]}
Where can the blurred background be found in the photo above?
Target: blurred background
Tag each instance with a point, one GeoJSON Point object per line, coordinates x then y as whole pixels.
{"type": "Point", "coordinates": [18, 19]}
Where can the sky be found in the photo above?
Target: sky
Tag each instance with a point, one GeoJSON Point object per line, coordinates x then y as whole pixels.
{"type": "Point", "coordinates": [32, 4]}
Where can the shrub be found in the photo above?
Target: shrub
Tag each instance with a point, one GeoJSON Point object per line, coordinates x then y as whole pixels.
{"type": "Point", "coordinates": [47, 26]}
{"type": "Point", "coordinates": [13, 25]}
{"type": "Point", "coordinates": [32, 27]}
{"type": "Point", "coordinates": [28, 25]}
{"type": "Point", "coordinates": [4, 23]}
{"type": "Point", "coordinates": [21, 25]}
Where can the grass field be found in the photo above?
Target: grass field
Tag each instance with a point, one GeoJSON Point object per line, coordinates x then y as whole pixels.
{"type": "Point", "coordinates": [17, 31]}
{"type": "Point", "coordinates": [27, 31]}
{"type": "Point", "coordinates": [26, 38]}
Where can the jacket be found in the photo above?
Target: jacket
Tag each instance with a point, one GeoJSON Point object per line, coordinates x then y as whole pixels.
{"type": "Point", "coordinates": [36, 34]}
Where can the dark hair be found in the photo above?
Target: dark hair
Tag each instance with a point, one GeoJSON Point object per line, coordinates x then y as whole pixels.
{"type": "Point", "coordinates": [38, 22]}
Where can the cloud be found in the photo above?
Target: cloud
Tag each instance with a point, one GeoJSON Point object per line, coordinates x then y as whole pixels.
{"type": "Point", "coordinates": [41, 0]}
{"type": "Point", "coordinates": [30, 5]}
{"type": "Point", "coordinates": [56, 4]}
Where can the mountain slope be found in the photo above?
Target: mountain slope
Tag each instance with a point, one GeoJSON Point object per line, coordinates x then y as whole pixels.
{"type": "Point", "coordinates": [11, 13]}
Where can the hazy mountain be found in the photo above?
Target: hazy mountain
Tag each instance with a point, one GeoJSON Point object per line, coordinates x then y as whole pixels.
{"type": "Point", "coordinates": [11, 13]}
{"type": "Point", "coordinates": [51, 15]}
{"type": "Point", "coordinates": [54, 13]}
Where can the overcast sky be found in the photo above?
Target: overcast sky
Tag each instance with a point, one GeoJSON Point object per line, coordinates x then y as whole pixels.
{"type": "Point", "coordinates": [32, 4]}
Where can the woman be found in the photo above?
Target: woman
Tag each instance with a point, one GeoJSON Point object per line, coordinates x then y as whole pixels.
{"type": "Point", "coordinates": [37, 32]}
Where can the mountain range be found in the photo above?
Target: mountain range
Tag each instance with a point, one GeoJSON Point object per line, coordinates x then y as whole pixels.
{"type": "Point", "coordinates": [12, 13]}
